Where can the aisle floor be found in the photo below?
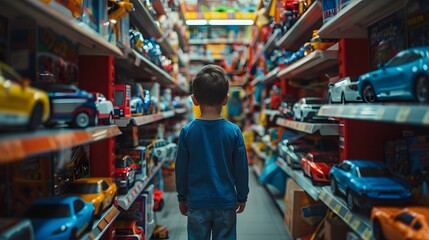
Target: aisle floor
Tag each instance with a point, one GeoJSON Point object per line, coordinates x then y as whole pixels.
{"type": "Point", "coordinates": [260, 220]}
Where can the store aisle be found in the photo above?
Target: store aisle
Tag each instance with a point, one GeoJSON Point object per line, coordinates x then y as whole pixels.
{"type": "Point", "coordinates": [260, 220]}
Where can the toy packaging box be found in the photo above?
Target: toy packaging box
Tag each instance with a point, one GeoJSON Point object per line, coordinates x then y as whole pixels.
{"type": "Point", "coordinates": [335, 228]}
{"type": "Point", "coordinates": [138, 156]}
{"type": "Point", "coordinates": [418, 153]}
{"type": "Point", "coordinates": [302, 213]}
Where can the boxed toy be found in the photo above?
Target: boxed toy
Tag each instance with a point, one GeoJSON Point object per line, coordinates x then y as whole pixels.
{"type": "Point", "coordinates": [138, 155]}
{"type": "Point", "coordinates": [329, 9]}
{"type": "Point", "coordinates": [335, 228]}
{"type": "Point", "coordinates": [302, 213]}
{"type": "Point", "coordinates": [418, 153]}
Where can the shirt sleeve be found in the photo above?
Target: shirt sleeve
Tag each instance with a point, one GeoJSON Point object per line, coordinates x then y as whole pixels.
{"type": "Point", "coordinates": [181, 167]}
{"type": "Point", "coordinates": [241, 169]}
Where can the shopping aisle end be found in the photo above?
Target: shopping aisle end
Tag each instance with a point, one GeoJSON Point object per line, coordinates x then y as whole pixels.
{"type": "Point", "coordinates": [260, 220]}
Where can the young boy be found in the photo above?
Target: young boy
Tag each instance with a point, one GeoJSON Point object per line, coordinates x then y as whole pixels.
{"type": "Point", "coordinates": [211, 165]}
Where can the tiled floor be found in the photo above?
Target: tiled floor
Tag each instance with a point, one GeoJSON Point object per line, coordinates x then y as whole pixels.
{"type": "Point", "coordinates": [260, 220]}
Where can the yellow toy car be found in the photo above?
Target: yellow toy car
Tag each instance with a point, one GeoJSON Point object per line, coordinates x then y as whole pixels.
{"type": "Point", "coordinates": [20, 104]}
{"type": "Point", "coordinates": [317, 43]}
{"type": "Point", "coordinates": [100, 191]}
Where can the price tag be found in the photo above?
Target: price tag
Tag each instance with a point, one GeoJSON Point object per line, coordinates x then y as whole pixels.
{"type": "Point", "coordinates": [426, 118]}
{"type": "Point", "coordinates": [380, 113]}
{"type": "Point", "coordinates": [337, 208]}
{"type": "Point", "coordinates": [348, 217]}
{"type": "Point", "coordinates": [328, 201]}
{"type": "Point", "coordinates": [403, 114]}
{"type": "Point", "coordinates": [355, 224]}
{"type": "Point", "coordinates": [367, 234]}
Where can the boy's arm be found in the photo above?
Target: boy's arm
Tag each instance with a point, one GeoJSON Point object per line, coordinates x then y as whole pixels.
{"type": "Point", "coordinates": [241, 170]}
{"type": "Point", "coordinates": [181, 167]}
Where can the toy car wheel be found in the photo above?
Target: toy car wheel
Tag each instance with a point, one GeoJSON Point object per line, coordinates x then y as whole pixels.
{"type": "Point", "coordinates": [50, 123]}
{"type": "Point", "coordinates": [422, 89]}
{"type": "Point", "coordinates": [334, 187]}
{"type": "Point", "coordinates": [108, 121]}
{"type": "Point", "coordinates": [330, 99]}
{"type": "Point", "coordinates": [302, 118]}
{"type": "Point", "coordinates": [36, 117]}
{"type": "Point", "coordinates": [351, 202]}
{"type": "Point", "coordinates": [378, 232]}
{"type": "Point", "coordinates": [312, 179]}
{"type": "Point", "coordinates": [82, 120]}
{"type": "Point", "coordinates": [343, 99]}
{"type": "Point", "coordinates": [73, 234]}
{"type": "Point", "coordinates": [368, 94]}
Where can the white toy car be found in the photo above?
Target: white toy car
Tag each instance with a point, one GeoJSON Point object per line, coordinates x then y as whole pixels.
{"type": "Point", "coordinates": [104, 108]}
{"type": "Point", "coordinates": [306, 108]}
{"type": "Point", "coordinates": [344, 91]}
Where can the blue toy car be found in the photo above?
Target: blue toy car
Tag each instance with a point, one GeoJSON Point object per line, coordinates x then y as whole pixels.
{"type": "Point", "coordinates": [69, 104]}
{"type": "Point", "coordinates": [404, 77]}
{"type": "Point", "coordinates": [60, 217]}
{"type": "Point", "coordinates": [365, 183]}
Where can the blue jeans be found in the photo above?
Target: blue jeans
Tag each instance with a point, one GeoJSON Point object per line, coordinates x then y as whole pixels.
{"type": "Point", "coordinates": [220, 224]}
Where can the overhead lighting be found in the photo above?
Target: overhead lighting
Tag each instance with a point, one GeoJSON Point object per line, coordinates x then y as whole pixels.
{"type": "Point", "coordinates": [231, 22]}
{"type": "Point", "coordinates": [196, 22]}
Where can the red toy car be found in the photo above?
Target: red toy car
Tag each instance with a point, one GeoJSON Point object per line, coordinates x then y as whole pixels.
{"type": "Point", "coordinates": [317, 165]}
{"type": "Point", "coordinates": [125, 173]}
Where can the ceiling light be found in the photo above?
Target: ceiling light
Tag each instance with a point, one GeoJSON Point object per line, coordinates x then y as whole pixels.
{"type": "Point", "coordinates": [231, 22]}
{"type": "Point", "coordinates": [196, 22]}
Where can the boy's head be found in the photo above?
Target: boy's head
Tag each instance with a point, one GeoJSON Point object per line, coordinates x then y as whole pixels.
{"type": "Point", "coordinates": [210, 86]}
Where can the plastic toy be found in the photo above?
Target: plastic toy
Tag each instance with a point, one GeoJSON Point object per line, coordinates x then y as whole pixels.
{"type": "Point", "coordinates": [100, 191]}
{"type": "Point", "coordinates": [400, 223]}
{"type": "Point", "coordinates": [365, 183]}
{"type": "Point", "coordinates": [116, 10]}
{"type": "Point", "coordinates": [105, 109]}
{"type": "Point", "coordinates": [60, 217]}
{"type": "Point", "coordinates": [21, 105]}
{"type": "Point", "coordinates": [158, 200]}
{"type": "Point", "coordinates": [404, 77]}
{"type": "Point", "coordinates": [344, 91]}
{"type": "Point", "coordinates": [69, 104]}
{"type": "Point", "coordinates": [306, 108]}
{"type": "Point", "coordinates": [125, 173]}
{"type": "Point", "coordinates": [317, 165]}
{"type": "Point", "coordinates": [317, 43]}
{"type": "Point", "coordinates": [136, 40]}
{"type": "Point", "coordinates": [122, 103]}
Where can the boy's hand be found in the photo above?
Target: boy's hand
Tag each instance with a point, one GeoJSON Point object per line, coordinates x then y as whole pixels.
{"type": "Point", "coordinates": [183, 208]}
{"type": "Point", "coordinates": [240, 207]}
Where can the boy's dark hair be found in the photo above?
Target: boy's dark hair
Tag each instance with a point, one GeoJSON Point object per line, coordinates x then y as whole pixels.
{"type": "Point", "coordinates": [210, 86]}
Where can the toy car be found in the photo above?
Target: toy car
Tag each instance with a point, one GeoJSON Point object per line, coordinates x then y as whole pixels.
{"type": "Point", "coordinates": [125, 173]}
{"type": "Point", "coordinates": [136, 106]}
{"type": "Point", "coordinates": [400, 223]}
{"type": "Point", "coordinates": [293, 151]}
{"type": "Point", "coordinates": [317, 43]}
{"type": "Point", "coordinates": [105, 108]}
{"type": "Point", "coordinates": [21, 105]}
{"type": "Point", "coordinates": [344, 91]}
{"type": "Point", "coordinates": [60, 217]}
{"type": "Point", "coordinates": [100, 191]}
{"type": "Point", "coordinates": [158, 200]}
{"type": "Point", "coordinates": [128, 229]}
{"type": "Point", "coordinates": [365, 183]}
{"type": "Point", "coordinates": [404, 77]}
{"type": "Point", "coordinates": [122, 106]}
{"type": "Point", "coordinates": [306, 108]}
{"type": "Point", "coordinates": [69, 104]}
{"type": "Point", "coordinates": [317, 165]}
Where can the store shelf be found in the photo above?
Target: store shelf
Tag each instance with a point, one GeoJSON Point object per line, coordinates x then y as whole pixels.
{"type": "Point", "coordinates": [258, 129]}
{"type": "Point", "coordinates": [199, 58]}
{"type": "Point", "coordinates": [125, 201]}
{"type": "Point", "coordinates": [312, 65]}
{"type": "Point", "coordinates": [141, 18]}
{"type": "Point", "coordinates": [360, 224]}
{"type": "Point", "coordinates": [302, 30]}
{"type": "Point", "coordinates": [102, 224]}
{"type": "Point", "coordinates": [136, 66]}
{"type": "Point", "coordinates": [180, 110]}
{"type": "Point", "coordinates": [395, 113]}
{"type": "Point", "coordinates": [217, 41]}
{"type": "Point", "coordinates": [328, 129]}
{"type": "Point", "coordinates": [90, 42]}
{"type": "Point", "coordinates": [353, 20]}
{"type": "Point", "coordinates": [267, 79]}
{"type": "Point", "coordinates": [269, 46]}
{"type": "Point", "coordinates": [255, 149]}
{"type": "Point", "coordinates": [300, 179]}
{"type": "Point", "coordinates": [17, 146]}
{"type": "Point", "coordinates": [143, 120]}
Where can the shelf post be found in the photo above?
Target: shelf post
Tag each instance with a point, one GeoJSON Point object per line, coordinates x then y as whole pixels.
{"type": "Point", "coordinates": [352, 59]}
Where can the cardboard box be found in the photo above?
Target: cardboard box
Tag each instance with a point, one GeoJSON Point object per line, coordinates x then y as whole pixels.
{"type": "Point", "coordinates": [302, 213]}
{"type": "Point", "coordinates": [335, 228]}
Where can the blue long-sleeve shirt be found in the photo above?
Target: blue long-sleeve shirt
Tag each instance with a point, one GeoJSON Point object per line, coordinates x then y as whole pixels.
{"type": "Point", "coordinates": [211, 165]}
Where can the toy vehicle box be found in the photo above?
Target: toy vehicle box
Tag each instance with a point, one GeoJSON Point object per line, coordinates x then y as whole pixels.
{"type": "Point", "coordinates": [418, 153]}
{"type": "Point", "coordinates": [138, 155]}
{"type": "Point", "coordinates": [302, 213]}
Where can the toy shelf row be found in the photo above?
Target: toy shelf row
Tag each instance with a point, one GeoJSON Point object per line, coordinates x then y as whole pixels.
{"type": "Point", "coordinates": [217, 41]}
{"type": "Point", "coordinates": [17, 146]}
{"type": "Point", "coordinates": [91, 43]}
{"type": "Point", "coordinates": [359, 223]}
